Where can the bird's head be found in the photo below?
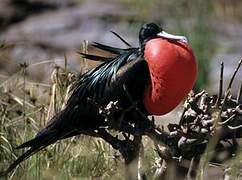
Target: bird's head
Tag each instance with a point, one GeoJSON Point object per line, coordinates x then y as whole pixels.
{"type": "Point", "coordinates": [151, 30]}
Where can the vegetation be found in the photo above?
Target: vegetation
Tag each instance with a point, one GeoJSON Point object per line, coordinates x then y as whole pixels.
{"type": "Point", "coordinates": [26, 106]}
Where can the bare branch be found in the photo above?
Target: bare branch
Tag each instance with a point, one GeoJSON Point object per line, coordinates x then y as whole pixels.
{"type": "Point", "coordinates": [220, 84]}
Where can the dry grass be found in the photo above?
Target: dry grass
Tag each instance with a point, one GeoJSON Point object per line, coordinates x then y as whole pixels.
{"type": "Point", "coordinates": [25, 108]}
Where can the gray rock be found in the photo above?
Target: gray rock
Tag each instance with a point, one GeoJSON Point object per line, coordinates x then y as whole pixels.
{"type": "Point", "coordinates": [52, 33]}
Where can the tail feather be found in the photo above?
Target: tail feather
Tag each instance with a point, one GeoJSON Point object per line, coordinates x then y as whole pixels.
{"type": "Point", "coordinates": [37, 140]}
{"type": "Point", "coordinates": [28, 143]}
{"type": "Point", "coordinates": [56, 129]}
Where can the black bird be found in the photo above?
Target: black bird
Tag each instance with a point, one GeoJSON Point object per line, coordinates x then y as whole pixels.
{"type": "Point", "coordinates": [129, 70]}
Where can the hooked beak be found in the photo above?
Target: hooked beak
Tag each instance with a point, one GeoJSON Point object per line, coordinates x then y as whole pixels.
{"type": "Point", "coordinates": [166, 35]}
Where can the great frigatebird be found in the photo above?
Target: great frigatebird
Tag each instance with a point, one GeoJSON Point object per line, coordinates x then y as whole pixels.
{"type": "Point", "coordinates": [157, 75]}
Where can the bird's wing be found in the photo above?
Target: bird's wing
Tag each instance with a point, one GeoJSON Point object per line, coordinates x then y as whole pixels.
{"type": "Point", "coordinates": [93, 83]}
{"type": "Point", "coordinates": [110, 49]}
{"type": "Point", "coordinates": [95, 57]}
{"type": "Point", "coordinates": [122, 39]}
{"type": "Point", "coordinates": [113, 50]}
{"type": "Point", "coordinates": [101, 84]}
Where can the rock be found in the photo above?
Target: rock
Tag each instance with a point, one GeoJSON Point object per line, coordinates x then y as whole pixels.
{"type": "Point", "coordinates": [66, 29]}
{"type": "Point", "coordinates": [12, 11]}
{"type": "Point", "coordinates": [55, 3]}
{"type": "Point", "coordinates": [52, 33]}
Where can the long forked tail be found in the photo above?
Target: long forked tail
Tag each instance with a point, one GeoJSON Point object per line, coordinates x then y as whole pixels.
{"type": "Point", "coordinates": [35, 145]}
{"type": "Point", "coordinates": [56, 129]}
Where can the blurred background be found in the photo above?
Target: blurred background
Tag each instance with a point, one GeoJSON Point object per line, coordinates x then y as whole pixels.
{"type": "Point", "coordinates": [40, 30]}
{"type": "Point", "coordinates": [37, 35]}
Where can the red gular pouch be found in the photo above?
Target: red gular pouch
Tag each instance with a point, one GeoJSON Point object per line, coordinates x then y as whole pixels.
{"type": "Point", "coordinates": [173, 71]}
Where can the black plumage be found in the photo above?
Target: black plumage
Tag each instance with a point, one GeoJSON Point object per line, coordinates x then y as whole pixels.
{"type": "Point", "coordinates": [100, 85]}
